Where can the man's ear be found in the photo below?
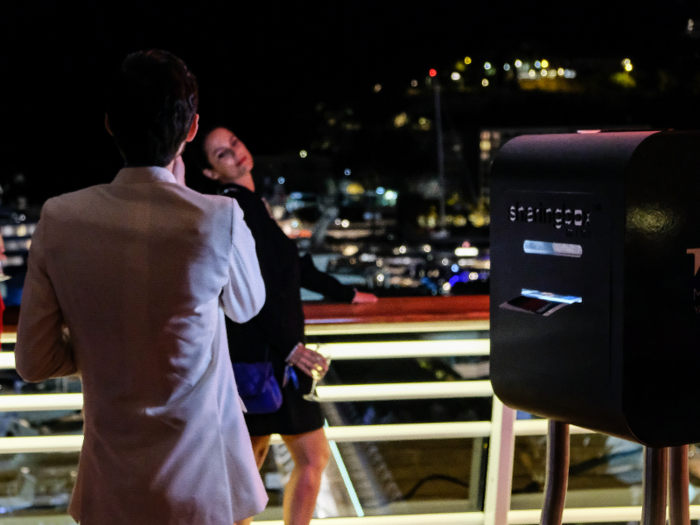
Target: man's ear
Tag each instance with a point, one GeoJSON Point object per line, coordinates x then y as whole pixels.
{"type": "Point", "coordinates": [210, 174]}
{"type": "Point", "coordinates": [109, 130]}
{"type": "Point", "coordinates": [193, 128]}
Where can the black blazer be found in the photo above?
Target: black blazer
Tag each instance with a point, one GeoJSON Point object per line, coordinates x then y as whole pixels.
{"type": "Point", "coordinates": [280, 324]}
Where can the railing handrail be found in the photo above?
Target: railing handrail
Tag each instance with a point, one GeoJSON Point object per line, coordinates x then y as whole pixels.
{"type": "Point", "coordinates": [393, 310]}
{"type": "Point", "coordinates": [386, 310]}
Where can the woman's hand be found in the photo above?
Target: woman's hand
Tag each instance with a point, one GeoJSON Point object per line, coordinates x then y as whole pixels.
{"type": "Point", "coordinates": [362, 297]}
{"type": "Point", "coordinates": [307, 360]}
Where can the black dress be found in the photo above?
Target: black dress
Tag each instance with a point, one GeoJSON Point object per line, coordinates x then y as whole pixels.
{"type": "Point", "coordinates": [279, 326]}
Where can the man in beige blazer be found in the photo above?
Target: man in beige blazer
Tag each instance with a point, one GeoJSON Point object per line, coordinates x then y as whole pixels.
{"type": "Point", "coordinates": [127, 286]}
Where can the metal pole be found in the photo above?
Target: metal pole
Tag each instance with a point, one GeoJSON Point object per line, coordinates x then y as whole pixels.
{"type": "Point", "coordinates": [441, 154]}
{"type": "Point", "coordinates": [679, 504]}
{"type": "Point", "coordinates": [557, 473]}
{"type": "Point", "coordinates": [499, 473]}
{"type": "Point", "coordinates": [477, 477]}
{"type": "Point", "coordinates": [655, 486]}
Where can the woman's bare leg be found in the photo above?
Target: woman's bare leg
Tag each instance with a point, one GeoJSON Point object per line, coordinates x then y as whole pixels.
{"type": "Point", "coordinates": [261, 445]}
{"type": "Point", "coordinates": [310, 452]}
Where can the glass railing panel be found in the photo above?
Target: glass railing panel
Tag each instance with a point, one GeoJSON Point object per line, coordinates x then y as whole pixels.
{"type": "Point", "coordinates": [36, 484]}
{"type": "Point", "coordinates": [41, 423]}
{"type": "Point", "coordinates": [63, 417]}
{"type": "Point", "coordinates": [409, 411]}
{"type": "Point", "coordinates": [374, 359]}
{"type": "Point", "coordinates": [604, 471]}
{"type": "Point", "coordinates": [418, 370]}
{"type": "Point", "coordinates": [425, 477]}
{"type": "Point", "coordinates": [388, 478]}
{"type": "Point", "coordinates": [12, 384]}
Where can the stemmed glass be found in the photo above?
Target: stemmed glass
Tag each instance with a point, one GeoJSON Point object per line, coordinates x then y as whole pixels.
{"type": "Point", "coordinates": [317, 374]}
{"type": "Point", "coordinates": [3, 257]}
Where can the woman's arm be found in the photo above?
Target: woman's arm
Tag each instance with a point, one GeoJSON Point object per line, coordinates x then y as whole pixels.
{"type": "Point", "coordinates": [320, 282]}
{"type": "Point", "coordinates": [317, 281]}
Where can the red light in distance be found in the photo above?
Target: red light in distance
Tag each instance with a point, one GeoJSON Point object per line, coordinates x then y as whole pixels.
{"type": "Point", "coordinates": [432, 72]}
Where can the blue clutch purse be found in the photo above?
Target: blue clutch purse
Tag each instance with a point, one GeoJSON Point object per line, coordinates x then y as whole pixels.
{"type": "Point", "coordinates": [258, 387]}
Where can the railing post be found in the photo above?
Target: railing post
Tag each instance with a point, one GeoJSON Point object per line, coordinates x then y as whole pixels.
{"type": "Point", "coordinates": [477, 481]}
{"type": "Point", "coordinates": [499, 475]}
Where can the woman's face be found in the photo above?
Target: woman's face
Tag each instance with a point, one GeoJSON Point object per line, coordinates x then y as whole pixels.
{"type": "Point", "coordinates": [229, 158]}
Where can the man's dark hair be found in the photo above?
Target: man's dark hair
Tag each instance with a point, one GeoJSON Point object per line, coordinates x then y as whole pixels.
{"type": "Point", "coordinates": [151, 105]}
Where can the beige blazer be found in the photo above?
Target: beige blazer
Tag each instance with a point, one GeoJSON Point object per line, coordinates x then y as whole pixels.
{"type": "Point", "coordinates": [138, 271]}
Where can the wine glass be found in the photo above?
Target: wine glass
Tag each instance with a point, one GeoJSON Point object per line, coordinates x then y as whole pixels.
{"type": "Point", "coordinates": [317, 374]}
{"type": "Point", "coordinates": [3, 257]}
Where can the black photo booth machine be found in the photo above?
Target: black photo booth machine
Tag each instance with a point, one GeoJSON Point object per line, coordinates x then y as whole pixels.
{"type": "Point", "coordinates": [595, 297]}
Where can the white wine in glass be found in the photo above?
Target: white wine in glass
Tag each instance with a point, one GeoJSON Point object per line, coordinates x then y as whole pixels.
{"type": "Point", "coordinates": [3, 275]}
{"type": "Point", "coordinates": [317, 374]}
{"type": "Point", "coordinates": [3, 258]}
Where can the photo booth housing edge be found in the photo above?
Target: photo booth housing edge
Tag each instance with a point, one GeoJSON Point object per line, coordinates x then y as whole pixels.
{"type": "Point", "coordinates": [595, 294]}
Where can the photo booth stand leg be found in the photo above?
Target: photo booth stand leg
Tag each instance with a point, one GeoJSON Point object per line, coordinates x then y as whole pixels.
{"type": "Point", "coordinates": [666, 473]}
{"type": "Point", "coordinates": [557, 473]}
{"type": "Point", "coordinates": [655, 486]}
{"type": "Point", "coordinates": [679, 504]}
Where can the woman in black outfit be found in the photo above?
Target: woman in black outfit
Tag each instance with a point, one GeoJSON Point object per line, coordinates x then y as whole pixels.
{"type": "Point", "coordinates": [278, 330]}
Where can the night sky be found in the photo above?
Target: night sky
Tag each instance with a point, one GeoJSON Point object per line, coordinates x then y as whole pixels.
{"type": "Point", "coordinates": [263, 67]}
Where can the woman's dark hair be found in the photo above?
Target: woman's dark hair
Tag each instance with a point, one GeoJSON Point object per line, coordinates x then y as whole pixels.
{"type": "Point", "coordinates": [195, 150]}
{"type": "Point", "coordinates": [151, 104]}
{"type": "Point", "coordinates": [197, 161]}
